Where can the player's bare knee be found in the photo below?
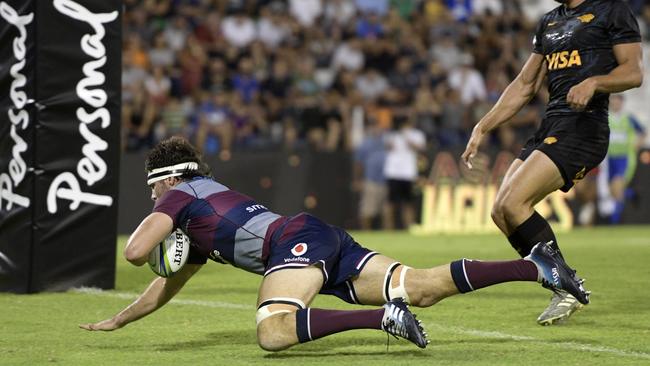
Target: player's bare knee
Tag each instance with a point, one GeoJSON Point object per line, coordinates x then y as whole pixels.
{"type": "Point", "coordinates": [274, 333]}
{"type": "Point", "coordinates": [511, 208]}
{"type": "Point", "coordinates": [276, 319]}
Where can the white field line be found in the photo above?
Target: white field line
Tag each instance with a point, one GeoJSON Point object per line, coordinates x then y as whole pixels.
{"type": "Point", "coordinates": [566, 345]}
{"type": "Point", "coordinates": [585, 347]}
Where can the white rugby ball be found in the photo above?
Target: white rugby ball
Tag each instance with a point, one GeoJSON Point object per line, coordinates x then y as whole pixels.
{"type": "Point", "coordinates": [170, 256]}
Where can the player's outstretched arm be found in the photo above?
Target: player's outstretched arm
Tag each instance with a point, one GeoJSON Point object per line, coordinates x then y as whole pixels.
{"type": "Point", "coordinates": [514, 98]}
{"type": "Point", "coordinates": [159, 292]}
{"type": "Point", "coordinates": [627, 75]}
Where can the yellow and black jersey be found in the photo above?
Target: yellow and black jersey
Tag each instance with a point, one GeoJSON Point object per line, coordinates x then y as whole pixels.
{"type": "Point", "coordinates": [577, 44]}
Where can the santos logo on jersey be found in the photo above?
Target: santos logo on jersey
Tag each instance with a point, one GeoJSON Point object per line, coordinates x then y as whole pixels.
{"type": "Point", "coordinates": [563, 59]}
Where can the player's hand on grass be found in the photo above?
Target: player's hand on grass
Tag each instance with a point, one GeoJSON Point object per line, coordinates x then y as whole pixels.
{"type": "Point", "coordinates": [579, 95]}
{"type": "Point", "coordinates": [105, 325]}
{"type": "Point", "coordinates": [472, 147]}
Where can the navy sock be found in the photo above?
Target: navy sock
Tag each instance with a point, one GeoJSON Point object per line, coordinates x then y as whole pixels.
{"type": "Point", "coordinates": [312, 324]}
{"type": "Point", "coordinates": [470, 275]}
{"type": "Point", "coordinates": [532, 231]}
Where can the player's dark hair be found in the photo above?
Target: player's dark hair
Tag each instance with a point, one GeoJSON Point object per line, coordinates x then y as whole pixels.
{"type": "Point", "coordinates": [176, 150]}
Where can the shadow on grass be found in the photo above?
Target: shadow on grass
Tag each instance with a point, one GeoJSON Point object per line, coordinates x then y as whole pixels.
{"type": "Point", "coordinates": [330, 347]}
{"type": "Point", "coordinates": [400, 354]}
{"type": "Point", "coordinates": [230, 338]}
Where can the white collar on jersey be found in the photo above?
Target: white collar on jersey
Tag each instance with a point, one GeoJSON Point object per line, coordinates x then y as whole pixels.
{"type": "Point", "coordinates": [170, 171]}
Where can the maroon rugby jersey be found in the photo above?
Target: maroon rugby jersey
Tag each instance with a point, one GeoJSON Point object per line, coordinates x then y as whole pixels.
{"type": "Point", "coordinates": [224, 225]}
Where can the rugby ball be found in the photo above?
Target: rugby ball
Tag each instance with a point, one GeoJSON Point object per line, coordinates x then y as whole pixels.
{"type": "Point", "coordinates": [168, 257]}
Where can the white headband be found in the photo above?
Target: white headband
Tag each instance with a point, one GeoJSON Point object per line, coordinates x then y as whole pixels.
{"type": "Point", "coordinates": [170, 171]}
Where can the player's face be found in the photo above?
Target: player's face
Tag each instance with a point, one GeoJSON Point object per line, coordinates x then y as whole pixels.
{"type": "Point", "coordinates": [158, 189]}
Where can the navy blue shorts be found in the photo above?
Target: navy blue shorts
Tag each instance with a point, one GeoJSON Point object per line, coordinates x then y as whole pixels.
{"type": "Point", "coordinates": [304, 240]}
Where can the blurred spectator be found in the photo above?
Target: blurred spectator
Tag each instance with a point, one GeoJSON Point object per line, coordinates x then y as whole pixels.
{"type": "Point", "coordinates": [249, 123]}
{"type": "Point", "coordinates": [270, 28]}
{"type": "Point", "coordinates": [446, 52]}
{"type": "Point", "coordinates": [192, 59]}
{"type": "Point", "coordinates": [215, 77]}
{"type": "Point", "coordinates": [157, 87]}
{"type": "Point", "coordinates": [482, 7]}
{"type": "Point", "coordinates": [215, 129]}
{"type": "Point", "coordinates": [371, 84]}
{"type": "Point", "coordinates": [137, 122]}
{"type": "Point", "coordinates": [461, 10]}
{"type": "Point", "coordinates": [534, 9]}
{"type": "Point", "coordinates": [369, 159]}
{"type": "Point", "coordinates": [404, 78]}
{"type": "Point", "coordinates": [160, 54]}
{"type": "Point", "coordinates": [379, 7]}
{"type": "Point", "coordinates": [452, 119]}
{"type": "Point", "coordinates": [208, 32]}
{"type": "Point", "coordinates": [339, 11]}
{"type": "Point", "coordinates": [239, 30]}
{"type": "Point", "coordinates": [369, 26]}
{"type": "Point", "coordinates": [176, 33]}
{"type": "Point", "coordinates": [646, 20]}
{"type": "Point", "coordinates": [405, 8]}
{"type": "Point", "coordinates": [426, 112]}
{"type": "Point", "coordinates": [348, 56]}
{"type": "Point", "coordinates": [135, 52]}
{"type": "Point", "coordinates": [401, 172]}
{"type": "Point", "coordinates": [435, 11]}
{"type": "Point", "coordinates": [467, 81]}
{"type": "Point", "coordinates": [625, 138]}
{"type": "Point", "coordinates": [244, 81]}
{"type": "Point", "coordinates": [305, 11]}
{"type": "Point", "coordinates": [173, 120]}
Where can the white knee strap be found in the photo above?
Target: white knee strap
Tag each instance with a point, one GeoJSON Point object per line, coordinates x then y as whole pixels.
{"type": "Point", "coordinates": [264, 311]}
{"type": "Point", "coordinates": [400, 289]}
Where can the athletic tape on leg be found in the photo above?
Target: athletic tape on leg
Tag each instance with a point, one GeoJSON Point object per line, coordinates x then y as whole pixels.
{"type": "Point", "coordinates": [400, 290]}
{"type": "Point", "coordinates": [264, 310]}
{"type": "Point", "coordinates": [391, 292]}
{"type": "Point", "coordinates": [387, 279]}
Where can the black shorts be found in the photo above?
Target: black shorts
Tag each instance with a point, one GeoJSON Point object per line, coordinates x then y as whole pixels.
{"type": "Point", "coordinates": [576, 143]}
{"type": "Point", "coordinates": [400, 190]}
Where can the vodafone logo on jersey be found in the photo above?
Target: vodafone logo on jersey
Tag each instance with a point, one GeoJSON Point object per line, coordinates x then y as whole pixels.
{"type": "Point", "coordinates": [299, 249]}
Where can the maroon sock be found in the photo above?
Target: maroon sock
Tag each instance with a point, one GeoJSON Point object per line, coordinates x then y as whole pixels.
{"type": "Point", "coordinates": [312, 324]}
{"type": "Point", "coordinates": [470, 275]}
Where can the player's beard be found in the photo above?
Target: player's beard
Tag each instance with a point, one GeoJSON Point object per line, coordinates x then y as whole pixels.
{"type": "Point", "coordinates": [562, 1]}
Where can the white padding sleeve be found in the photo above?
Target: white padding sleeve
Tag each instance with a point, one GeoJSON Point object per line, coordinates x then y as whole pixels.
{"type": "Point", "coordinates": [264, 312]}
{"type": "Point", "coordinates": [400, 290]}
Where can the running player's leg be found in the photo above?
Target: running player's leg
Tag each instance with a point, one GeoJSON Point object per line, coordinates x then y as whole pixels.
{"type": "Point", "coordinates": [284, 318]}
{"type": "Point", "coordinates": [497, 214]}
{"type": "Point", "coordinates": [533, 180]}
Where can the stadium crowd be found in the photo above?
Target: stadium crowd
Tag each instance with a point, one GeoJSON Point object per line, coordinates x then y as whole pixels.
{"type": "Point", "coordinates": [260, 75]}
{"type": "Point", "coordinates": [266, 74]}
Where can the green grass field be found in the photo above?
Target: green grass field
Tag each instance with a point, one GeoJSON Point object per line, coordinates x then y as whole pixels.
{"type": "Point", "coordinates": [212, 321]}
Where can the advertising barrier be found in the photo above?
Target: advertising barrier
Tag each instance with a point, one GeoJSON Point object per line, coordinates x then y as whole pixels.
{"type": "Point", "coordinates": [63, 159]}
